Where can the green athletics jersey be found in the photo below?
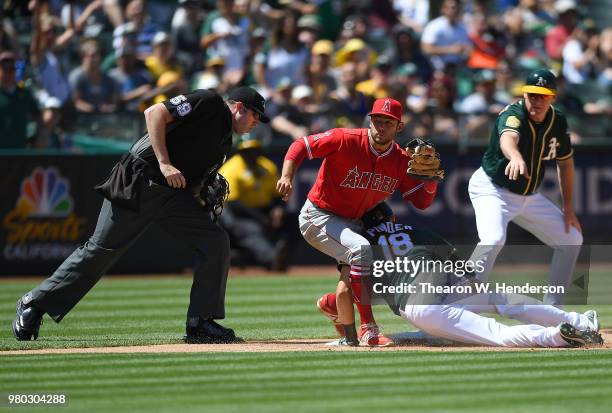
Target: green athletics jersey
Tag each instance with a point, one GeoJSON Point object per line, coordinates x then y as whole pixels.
{"type": "Point", "coordinates": [538, 142]}
{"type": "Point", "coordinates": [399, 241]}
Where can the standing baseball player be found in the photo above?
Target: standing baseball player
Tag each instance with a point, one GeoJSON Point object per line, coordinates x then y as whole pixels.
{"type": "Point", "coordinates": [361, 167]}
{"type": "Point", "coordinates": [505, 187]}
{"type": "Point", "coordinates": [162, 180]}
{"type": "Point", "coordinates": [456, 316]}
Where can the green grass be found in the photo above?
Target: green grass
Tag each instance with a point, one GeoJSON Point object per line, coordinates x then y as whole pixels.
{"type": "Point", "coordinates": [561, 381]}
{"type": "Point", "coordinates": [152, 310]}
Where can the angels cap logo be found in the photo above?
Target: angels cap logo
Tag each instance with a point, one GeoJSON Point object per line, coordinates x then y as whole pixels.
{"type": "Point", "coordinates": [387, 106]}
{"type": "Point", "coordinates": [45, 193]}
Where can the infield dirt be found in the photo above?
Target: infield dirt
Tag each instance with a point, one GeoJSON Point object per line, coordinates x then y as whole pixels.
{"type": "Point", "coordinates": [287, 346]}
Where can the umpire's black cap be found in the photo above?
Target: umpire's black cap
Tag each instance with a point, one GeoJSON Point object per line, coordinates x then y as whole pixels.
{"type": "Point", "coordinates": [251, 99]}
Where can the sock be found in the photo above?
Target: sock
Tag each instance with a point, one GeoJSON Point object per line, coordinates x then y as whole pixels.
{"type": "Point", "coordinates": [361, 299]}
{"type": "Point", "coordinates": [350, 334]}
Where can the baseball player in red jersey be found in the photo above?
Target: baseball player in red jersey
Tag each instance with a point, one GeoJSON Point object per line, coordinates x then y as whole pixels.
{"type": "Point", "coordinates": [361, 168]}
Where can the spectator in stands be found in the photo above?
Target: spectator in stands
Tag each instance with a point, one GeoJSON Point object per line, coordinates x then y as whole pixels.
{"type": "Point", "coordinates": [162, 59]}
{"type": "Point", "coordinates": [503, 81]}
{"type": "Point", "coordinates": [580, 55]}
{"type": "Point", "coordinates": [258, 43]}
{"type": "Point", "coordinates": [254, 215]}
{"type": "Point", "coordinates": [377, 86]}
{"type": "Point", "coordinates": [489, 46]}
{"type": "Point", "coordinates": [445, 39]}
{"type": "Point", "coordinates": [8, 34]}
{"type": "Point", "coordinates": [286, 122]}
{"type": "Point", "coordinates": [93, 90]}
{"type": "Point", "coordinates": [161, 11]}
{"type": "Point", "coordinates": [185, 34]}
{"type": "Point", "coordinates": [308, 30]}
{"type": "Point", "coordinates": [47, 55]}
{"type": "Point", "coordinates": [482, 106]}
{"type": "Point", "coordinates": [330, 14]}
{"type": "Point", "coordinates": [96, 21]}
{"type": "Point", "coordinates": [225, 34]}
{"type": "Point", "coordinates": [440, 117]}
{"type": "Point", "coordinates": [212, 76]}
{"type": "Point", "coordinates": [604, 77]}
{"type": "Point", "coordinates": [354, 27]}
{"type": "Point", "coordinates": [527, 24]}
{"type": "Point", "coordinates": [17, 106]}
{"type": "Point", "coordinates": [304, 109]}
{"type": "Point", "coordinates": [139, 23]}
{"type": "Point", "coordinates": [406, 49]}
{"type": "Point", "coordinates": [319, 74]}
{"type": "Point", "coordinates": [416, 91]}
{"type": "Point", "coordinates": [123, 36]}
{"type": "Point", "coordinates": [134, 82]}
{"type": "Point", "coordinates": [356, 51]}
{"type": "Point", "coordinates": [412, 13]}
{"type": "Point", "coordinates": [349, 106]}
{"type": "Point", "coordinates": [567, 21]}
{"type": "Point", "coordinates": [285, 58]}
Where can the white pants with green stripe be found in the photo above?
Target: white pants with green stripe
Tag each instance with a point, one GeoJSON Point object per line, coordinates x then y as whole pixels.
{"type": "Point", "coordinates": [495, 207]}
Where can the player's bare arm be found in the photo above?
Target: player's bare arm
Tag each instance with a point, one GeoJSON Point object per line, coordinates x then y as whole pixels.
{"type": "Point", "coordinates": [156, 118]}
{"type": "Point", "coordinates": [284, 186]}
{"type": "Point", "coordinates": [565, 171]}
{"type": "Point", "coordinates": [508, 143]}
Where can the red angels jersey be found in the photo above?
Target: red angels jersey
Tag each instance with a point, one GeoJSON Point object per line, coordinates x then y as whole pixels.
{"type": "Point", "coordinates": [354, 177]}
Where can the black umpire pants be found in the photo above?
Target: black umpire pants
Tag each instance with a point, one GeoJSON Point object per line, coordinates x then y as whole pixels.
{"type": "Point", "coordinates": [117, 228]}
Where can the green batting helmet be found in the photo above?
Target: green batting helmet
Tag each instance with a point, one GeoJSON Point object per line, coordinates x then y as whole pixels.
{"type": "Point", "coordinates": [541, 82]}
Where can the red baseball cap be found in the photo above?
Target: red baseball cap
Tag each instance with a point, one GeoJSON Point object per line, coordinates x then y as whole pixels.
{"type": "Point", "coordinates": [387, 107]}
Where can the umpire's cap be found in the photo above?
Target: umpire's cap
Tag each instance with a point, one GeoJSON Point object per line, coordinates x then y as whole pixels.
{"type": "Point", "coordinates": [251, 99]}
{"type": "Point", "coordinates": [541, 82]}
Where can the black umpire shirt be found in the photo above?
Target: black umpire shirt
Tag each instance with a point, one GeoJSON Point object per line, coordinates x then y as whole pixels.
{"type": "Point", "coordinates": [198, 138]}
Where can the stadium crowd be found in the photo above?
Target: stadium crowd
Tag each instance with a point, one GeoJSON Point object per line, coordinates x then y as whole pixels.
{"type": "Point", "coordinates": [319, 63]}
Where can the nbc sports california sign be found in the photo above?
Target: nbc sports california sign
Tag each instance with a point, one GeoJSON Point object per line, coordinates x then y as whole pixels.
{"type": "Point", "coordinates": [42, 225]}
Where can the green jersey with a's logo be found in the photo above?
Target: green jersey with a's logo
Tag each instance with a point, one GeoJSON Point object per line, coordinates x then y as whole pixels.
{"type": "Point", "coordinates": [539, 142]}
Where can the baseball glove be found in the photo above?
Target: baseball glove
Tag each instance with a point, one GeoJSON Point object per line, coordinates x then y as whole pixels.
{"type": "Point", "coordinates": [425, 161]}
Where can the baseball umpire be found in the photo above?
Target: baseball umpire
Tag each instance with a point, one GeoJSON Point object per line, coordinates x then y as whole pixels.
{"type": "Point", "coordinates": [505, 188]}
{"type": "Point", "coordinates": [169, 177]}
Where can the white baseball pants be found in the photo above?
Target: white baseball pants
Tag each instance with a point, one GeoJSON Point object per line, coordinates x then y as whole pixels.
{"type": "Point", "coordinates": [462, 322]}
{"type": "Point", "coordinates": [495, 207]}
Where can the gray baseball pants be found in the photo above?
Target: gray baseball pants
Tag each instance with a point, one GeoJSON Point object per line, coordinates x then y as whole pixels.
{"type": "Point", "coordinates": [117, 229]}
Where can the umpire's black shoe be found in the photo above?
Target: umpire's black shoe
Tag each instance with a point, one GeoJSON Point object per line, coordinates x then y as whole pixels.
{"type": "Point", "coordinates": [210, 332]}
{"type": "Point", "coordinates": [27, 321]}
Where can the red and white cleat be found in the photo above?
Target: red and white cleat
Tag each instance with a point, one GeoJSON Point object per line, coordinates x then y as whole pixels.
{"type": "Point", "coordinates": [370, 336]}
